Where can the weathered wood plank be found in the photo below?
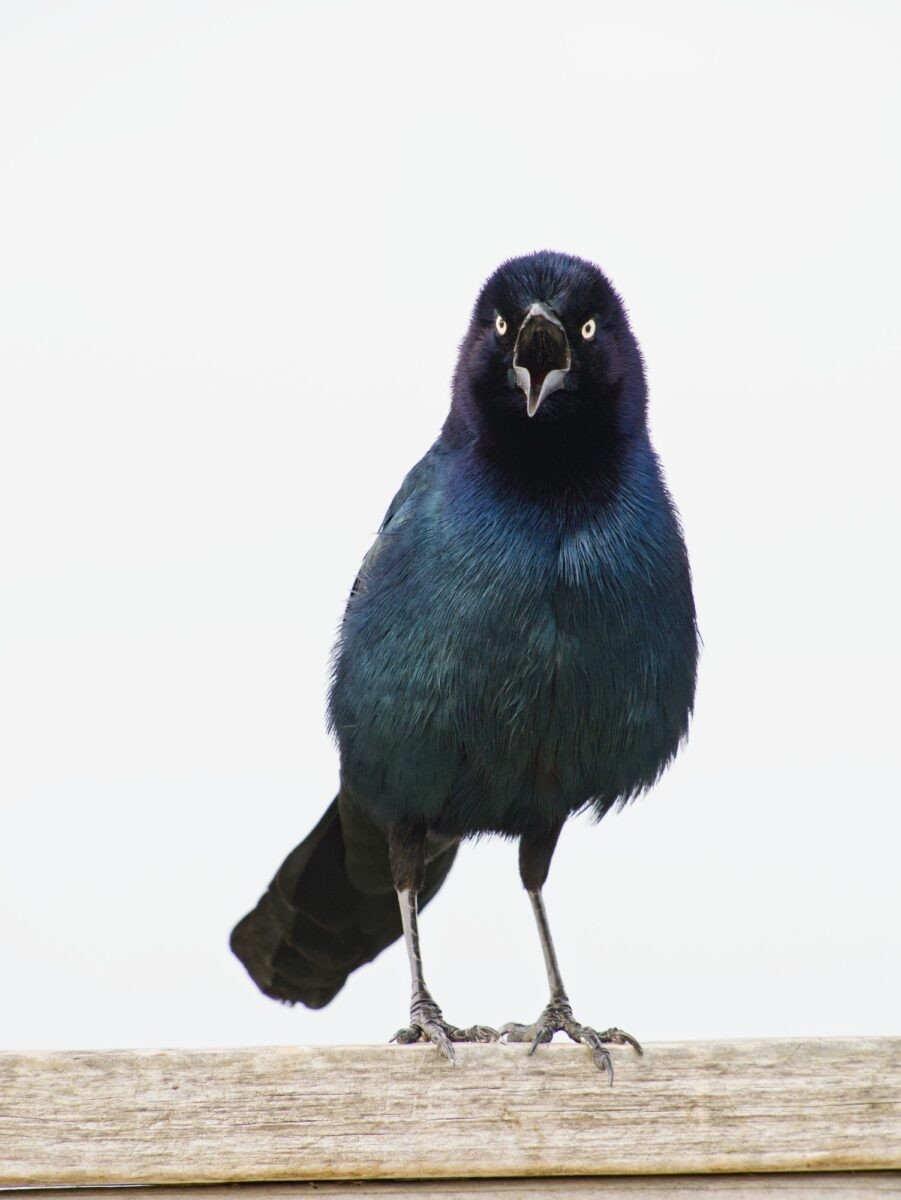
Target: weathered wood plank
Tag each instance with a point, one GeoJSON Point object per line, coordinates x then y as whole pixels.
{"type": "Point", "coordinates": [391, 1112]}
{"type": "Point", "coordinates": [845, 1185]}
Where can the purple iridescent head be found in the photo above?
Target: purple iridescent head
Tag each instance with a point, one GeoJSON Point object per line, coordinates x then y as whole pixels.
{"type": "Point", "coordinates": [549, 342]}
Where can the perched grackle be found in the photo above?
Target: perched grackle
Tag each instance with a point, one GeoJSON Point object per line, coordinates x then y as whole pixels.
{"type": "Point", "coordinates": [520, 644]}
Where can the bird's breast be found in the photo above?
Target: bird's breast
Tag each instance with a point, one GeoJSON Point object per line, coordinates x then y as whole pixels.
{"type": "Point", "coordinates": [499, 659]}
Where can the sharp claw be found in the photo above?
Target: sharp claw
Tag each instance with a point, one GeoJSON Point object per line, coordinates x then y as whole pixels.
{"type": "Point", "coordinates": [621, 1038]}
{"type": "Point", "coordinates": [604, 1062]}
{"type": "Point", "coordinates": [543, 1034]}
{"type": "Point", "coordinates": [440, 1039]}
{"type": "Point", "coordinates": [589, 1037]}
{"type": "Point", "coordinates": [404, 1037]}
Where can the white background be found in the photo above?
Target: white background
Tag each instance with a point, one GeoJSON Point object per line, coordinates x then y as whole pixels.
{"type": "Point", "coordinates": [239, 246]}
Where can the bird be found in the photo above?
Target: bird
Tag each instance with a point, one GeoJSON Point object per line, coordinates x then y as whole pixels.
{"type": "Point", "coordinates": [520, 645]}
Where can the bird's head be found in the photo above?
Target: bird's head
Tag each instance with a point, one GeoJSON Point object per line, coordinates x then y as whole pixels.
{"type": "Point", "coordinates": [549, 345]}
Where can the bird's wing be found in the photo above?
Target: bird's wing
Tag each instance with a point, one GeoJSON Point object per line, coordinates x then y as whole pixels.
{"type": "Point", "coordinates": [415, 486]}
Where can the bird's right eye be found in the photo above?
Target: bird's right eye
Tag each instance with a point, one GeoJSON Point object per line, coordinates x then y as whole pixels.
{"type": "Point", "coordinates": [500, 324]}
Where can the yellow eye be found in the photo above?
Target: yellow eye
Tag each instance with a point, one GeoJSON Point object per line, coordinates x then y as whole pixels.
{"type": "Point", "coordinates": [500, 324]}
{"type": "Point", "coordinates": [588, 329]}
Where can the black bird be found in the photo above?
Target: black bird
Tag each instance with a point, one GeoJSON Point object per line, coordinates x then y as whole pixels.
{"type": "Point", "coordinates": [519, 645]}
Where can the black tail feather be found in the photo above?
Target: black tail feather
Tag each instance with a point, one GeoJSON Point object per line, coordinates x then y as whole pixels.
{"type": "Point", "coordinates": [330, 908]}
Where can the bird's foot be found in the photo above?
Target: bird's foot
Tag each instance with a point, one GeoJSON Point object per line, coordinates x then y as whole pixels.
{"type": "Point", "coordinates": [427, 1024]}
{"type": "Point", "coordinates": [558, 1018]}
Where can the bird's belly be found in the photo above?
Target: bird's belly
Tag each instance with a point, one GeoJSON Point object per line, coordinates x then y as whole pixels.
{"type": "Point", "coordinates": [523, 703]}
{"type": "Point", "coordinates": [581, 716]}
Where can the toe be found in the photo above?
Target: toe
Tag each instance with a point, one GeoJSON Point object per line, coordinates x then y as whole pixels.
{"type": "Point", "coordinates": [603, 1062]}
{"type": "Point", "coordinates": [480, 1033]}
{"type": "Point", "coordinates": [620, 1038]}
{"type": "Point", "coordinates": [404, 1037]}
{"type": "Point", "coordinates": [438, 1037]}
{"type": "Point", "coordinates": [513, 1032]}
{"type": "Point", "coordinates": [600, 1054]}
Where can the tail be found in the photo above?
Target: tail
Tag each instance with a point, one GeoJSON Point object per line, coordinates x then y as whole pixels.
{"type": "Point", "coordinates": [330, 908]}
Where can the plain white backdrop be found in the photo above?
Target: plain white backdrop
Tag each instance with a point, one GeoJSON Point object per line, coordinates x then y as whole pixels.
{"type": "Point", "coordinates": [238, 249]}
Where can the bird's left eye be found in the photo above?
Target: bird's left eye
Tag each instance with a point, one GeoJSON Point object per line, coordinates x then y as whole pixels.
{"type": "Point", "coordinates": [588, 329]}
{"type": "Point", "coordinates": [500, 324]}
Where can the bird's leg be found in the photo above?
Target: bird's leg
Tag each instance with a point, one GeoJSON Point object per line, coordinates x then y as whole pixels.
{"type": "Point", "coordinates": [534, 862]}
{"type": "Point", "coordinates": [427, 1023]}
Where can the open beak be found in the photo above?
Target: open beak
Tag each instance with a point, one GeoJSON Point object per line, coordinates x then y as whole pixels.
{"type": "Point", "coordinates": [541, 356]}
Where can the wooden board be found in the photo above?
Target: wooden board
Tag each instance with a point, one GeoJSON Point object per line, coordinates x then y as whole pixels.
{"type": "Point", "coordinates": [401, 1112]}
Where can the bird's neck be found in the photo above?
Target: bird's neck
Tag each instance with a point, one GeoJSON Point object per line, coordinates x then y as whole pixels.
{"type": "Point", "coordinates": [578, 459]}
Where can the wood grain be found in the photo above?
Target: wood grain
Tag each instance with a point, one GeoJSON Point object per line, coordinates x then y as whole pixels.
{"type": "Point", "coordinates": [844, 1185]}
{"type": "Point", "coordinates": [400, 1112]}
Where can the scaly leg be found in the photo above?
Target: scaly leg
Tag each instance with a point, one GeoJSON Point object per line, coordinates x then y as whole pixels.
{"type": "Point", "coordinates": [534, 862]}
{"type": "Point", "coordinates": [427, 1023]}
